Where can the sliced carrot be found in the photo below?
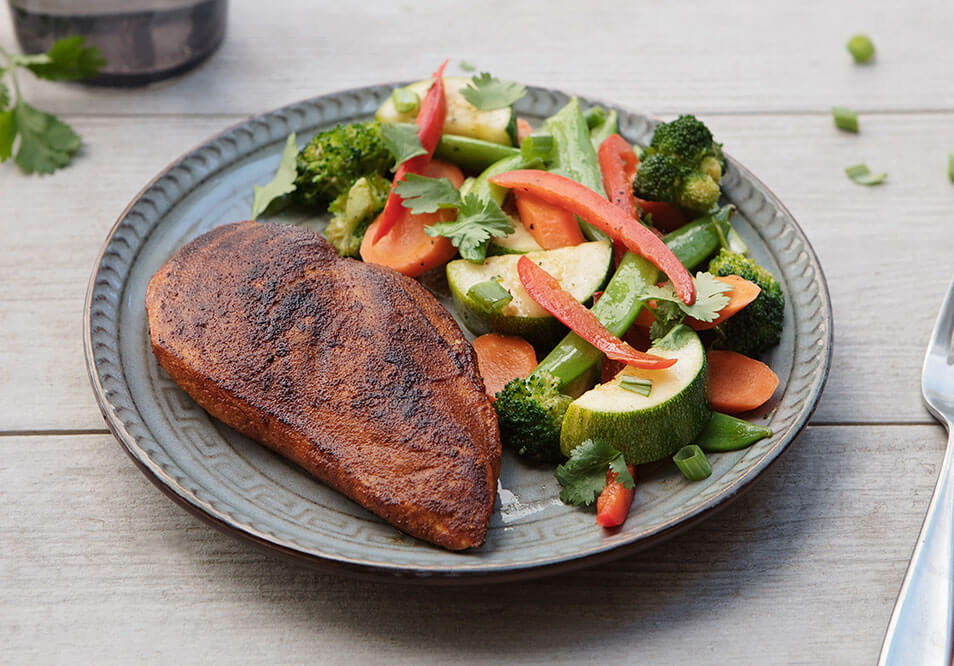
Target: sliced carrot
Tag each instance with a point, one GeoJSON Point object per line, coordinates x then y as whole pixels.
{"type": "Point", "coordinates": [742, 293]}
{"type": "Point", "coordinates": [738, 383]}
{"type": "Point", "coordinates": [551, 226]}
{"type": "Point", "coordinates": [524, 129]}
{"type": "Point", "coordinates": [407, 248]}
{"type": "Point", "coordinates": [502, 358]}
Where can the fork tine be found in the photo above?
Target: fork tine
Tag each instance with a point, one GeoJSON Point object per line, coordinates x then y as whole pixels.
{"type": "Point", "coordinates": [943, 328]}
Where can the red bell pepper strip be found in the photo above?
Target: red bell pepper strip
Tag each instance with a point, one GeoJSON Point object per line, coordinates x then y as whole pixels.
{"type": "Point", "coordinates": [602, 214]}
{"type": "Point", "coordinates": [613, 504]}
{"type": "Point", "coordinates": [618, 164]}
{"type": "Point", "coordinates": [547, 292]}
{"type": "Point", "coordinates": [430, 123]}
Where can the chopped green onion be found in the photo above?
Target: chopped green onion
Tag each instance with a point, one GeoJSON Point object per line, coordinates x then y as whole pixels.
{"type": "Point", "coordinates": [405, 101]}
{"type": "Point", "coordinates": [950, 167]}
{"type": "Point", "coordinates": [537, 146]}
{"type": "Point", "coordinates": [466, 66]}
{"type": "Point", "coordinates": [692, 462]}
{"type": "Point", "coordinates": [861, 48]}
{"type": "Point", "coordinates": [636, 385]}
{"type": "Point", "coordinates": [861, 174]}
{"type": "Point", "coordinates": [490, 296]}
{"type": "Point", "coordinates": [845, 119]}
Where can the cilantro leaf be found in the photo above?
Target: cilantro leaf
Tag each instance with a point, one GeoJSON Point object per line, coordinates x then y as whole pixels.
{"type": "Point", "coordinates": [284, 181]}
{"type": "Point", "coordinates": [466, 66]}
{"type": "Point", "coordinates": [427, 195]}
{"type": "Point", "coordinates": [676, 338]}
{"type": "Point", "coordinates": [477, 220]}
{"type": "Point", "coordinates": [46, 142]}
{"type": "Point", "coordinates": [402, 142]}
{"type": "Point", "coordinates": [67, 60]}
{"type": "Point", "coordinates": [8, 132]}
{"type": "Point", "coordinates": [618, 465]}
{"type": "Point", "coordinates": [710, 298]}
{"type": "Point", "coordinates": [4, 94]}
{"type": "Point", "coordinates": [487, 92]}
{"type": "Point", "coordinates": [583, 476]}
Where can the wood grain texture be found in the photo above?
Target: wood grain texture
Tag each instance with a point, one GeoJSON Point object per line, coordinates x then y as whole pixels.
{"type": "Point", "coordinates": [885, 250]}
{"type": "Point", "coordinates": [100, 566]}
{"type": "Point", "coordinates": [747, 55]}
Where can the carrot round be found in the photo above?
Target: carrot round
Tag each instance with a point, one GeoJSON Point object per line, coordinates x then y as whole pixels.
{"type": "Point", "coordinates": [738, 383]}
{"type": "Point", "coordinates": [581, 200]}
{"type": "Point", "coordinates": [548, 294]}
{"type": "Point", "coordinates": [407, 248]}
{"type": "Point", "coordinates": [613, 504]}
{"type": "Point", "coordinates": [551, 226]}
{"type": "Point", "coordinates": [502, 358]}
{"type": "Point", "coordinates": [742, 293]}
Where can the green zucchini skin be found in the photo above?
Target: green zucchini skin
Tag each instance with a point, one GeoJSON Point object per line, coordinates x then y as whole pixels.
{"type": "Point", "coordinates": [646, 432]}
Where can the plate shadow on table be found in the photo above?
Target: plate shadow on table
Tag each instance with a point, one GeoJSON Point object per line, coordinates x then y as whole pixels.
{"type": "Point", "coordinates": [703, 569]}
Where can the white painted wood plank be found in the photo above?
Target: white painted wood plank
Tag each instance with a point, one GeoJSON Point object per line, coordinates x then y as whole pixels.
{"type": "Point", "coordinates": [661, 56]}
{"type": "Point", "coordinates": [886, 250]}
{"type": "Point", "coordinates": [99, 566]}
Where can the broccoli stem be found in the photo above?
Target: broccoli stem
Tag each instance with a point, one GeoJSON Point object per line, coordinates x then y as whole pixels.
{"type": "Point", "coordinates": [619, 305]}
{"type": "Point", "coordinates": [574, 155]}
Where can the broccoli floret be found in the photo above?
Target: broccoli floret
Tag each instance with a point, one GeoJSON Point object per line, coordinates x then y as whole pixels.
{"type": "Point", "coordinates": [758, 327]}
{"type": "Point", "coordinates": [336, 158]}
{"type": "Point", "coordinates": [682, 166]}
{"type": "Point", "coordinates": [530, 413]}
{"type": "Point", "coordinates": [354, 211]}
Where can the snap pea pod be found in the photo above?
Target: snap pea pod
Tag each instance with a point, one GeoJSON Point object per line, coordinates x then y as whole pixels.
{"type": "Point", "coordinates": [618, 307]}
{"type": "Point", "coordinates": [727, 433]}
{"type": "Point", "coordinates": [473, 154]}
{"type": "Point", "coordinates": [574, 155]}
{"type": "Point", "coordinates": [484, 188]}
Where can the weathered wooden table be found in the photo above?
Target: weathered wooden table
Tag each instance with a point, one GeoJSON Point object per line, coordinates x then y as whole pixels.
{"type": "Point", "coordinates": [96, 565]}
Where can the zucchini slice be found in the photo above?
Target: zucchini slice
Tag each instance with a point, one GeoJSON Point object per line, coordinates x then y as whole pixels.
{"type": "Point", "coordinates": [463, 118]}
{"type": "Point", "coordinates": [646, 427]}
{"type": "Point", "coordinates": [518, 242]}
{"type": "Point", "coordinates": [581, 270]}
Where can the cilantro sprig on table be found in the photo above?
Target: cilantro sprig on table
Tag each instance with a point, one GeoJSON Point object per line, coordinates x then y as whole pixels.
{"type": "Point", "coordinates": [478, 219]}
{"type": "Point", "coordinates": [487, 92]}
{"type": "Point", "coordinates": [38, 141]}
{"type": "Point", "coordinates": [583, 476]}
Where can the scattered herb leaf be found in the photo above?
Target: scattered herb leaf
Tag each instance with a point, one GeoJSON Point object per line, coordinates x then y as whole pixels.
{"type": "Point", "coordinates": [487, 92]}
{"type": "Point", "coordinates": [466, 66]}
{"type": "Point", "coordinates": [421, 194]}
{"type": "Point", "coordinates": [4, 95]}
{"type": "Point", "coordinates": [402, 142]}
{"type": "Point", "coordinates": [583, 476]}
{"type": "Point", "coordinates": [46, 142]}
{"type": "Point", "coordinates": [283, 183]}
{"type": "Point", "coordinates": [861, 174]}
{"type": "Point", "coordinates": [477, 220]}
{"type": "Point", "coordinates": [950, 167]}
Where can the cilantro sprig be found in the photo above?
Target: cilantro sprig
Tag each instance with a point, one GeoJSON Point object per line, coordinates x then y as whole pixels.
{"type": "Point", "coordinates": [583, 476]}
{"type": "Point", "coordinates": [39, 142]}
{"type": "Point", "coordinates": [670, 310]}
{"type": "Point", "coordinates": [284, 181]}
{"type": "Point", "coordinates": [478, 218]}
{"type": "Point", "coordinates": [487, 92]}
{"type": "Point", "coordinates": [402, 142]}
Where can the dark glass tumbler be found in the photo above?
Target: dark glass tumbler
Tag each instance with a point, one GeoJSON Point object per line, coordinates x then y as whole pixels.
{"type": "Point", "coordinates": [141, 40]}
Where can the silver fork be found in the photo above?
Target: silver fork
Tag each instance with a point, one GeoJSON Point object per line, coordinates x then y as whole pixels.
{"type": "Point", "coordinates": [921, 625]}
